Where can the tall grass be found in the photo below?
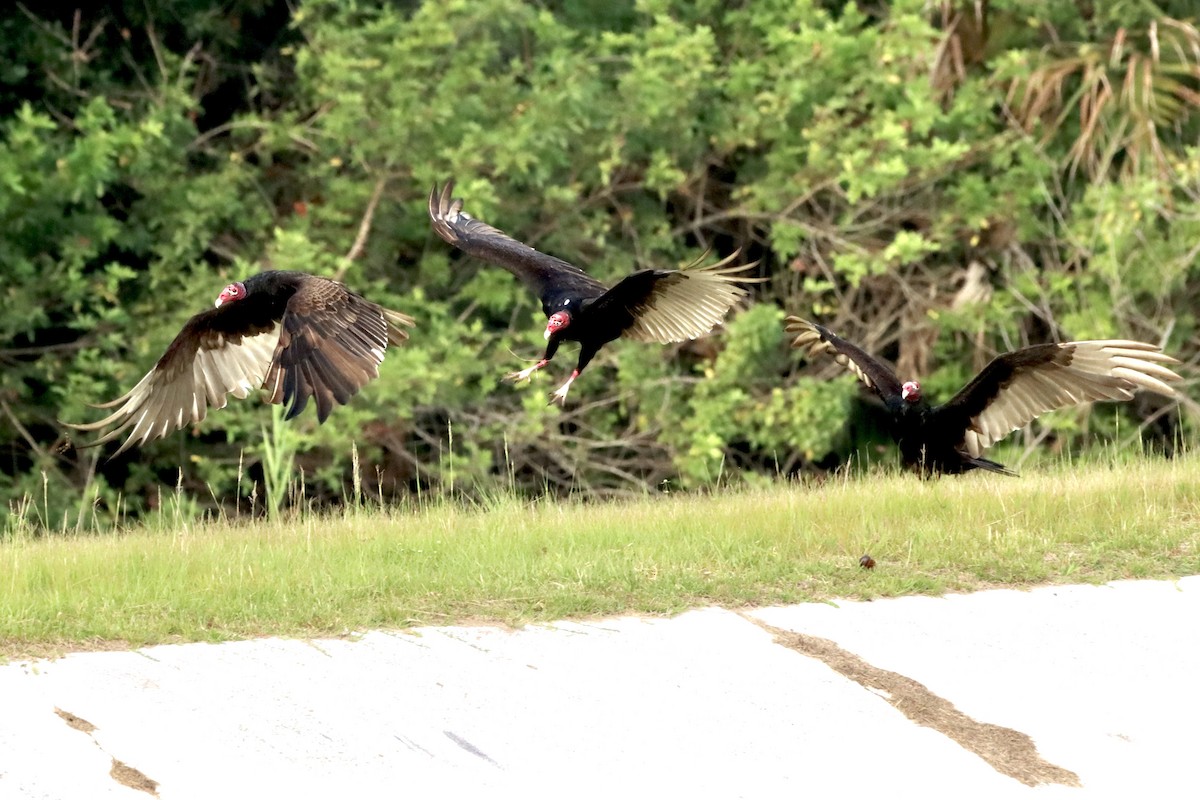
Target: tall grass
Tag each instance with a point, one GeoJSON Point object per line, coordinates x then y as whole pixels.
{"type": "Point", "coordinates": [278, 447]}
{"type": "Point", "coordinates": [508, 560]}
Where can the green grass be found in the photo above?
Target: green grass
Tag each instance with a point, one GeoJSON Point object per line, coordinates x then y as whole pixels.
{"type": "Point", "coordinates": [513, 562]}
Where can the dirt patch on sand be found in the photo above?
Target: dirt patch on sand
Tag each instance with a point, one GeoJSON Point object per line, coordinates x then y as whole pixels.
{"type": "Point", "coordinates": [78, 723]}
{"type": "Point", "coordinates": [121, 772]}
{"type": "Point", "coordinates": [1009, 752]}
{"type": "Point", "coordinates": [134, 779]}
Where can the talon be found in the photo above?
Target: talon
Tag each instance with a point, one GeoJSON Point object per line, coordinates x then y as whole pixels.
{"type": "Point", "coordinates": [517, 377]}
{"type": "Point", "coordinates": [525, 373]}
{"type": "Point", "coordinates": [560, 395]}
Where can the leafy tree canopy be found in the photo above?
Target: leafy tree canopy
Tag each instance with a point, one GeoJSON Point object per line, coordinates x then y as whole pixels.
{"type": "Point", "coordinates": [937, 182]}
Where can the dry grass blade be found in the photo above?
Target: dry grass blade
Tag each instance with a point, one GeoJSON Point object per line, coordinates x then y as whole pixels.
{"type": "Point", "coordinates": [1122, 96]}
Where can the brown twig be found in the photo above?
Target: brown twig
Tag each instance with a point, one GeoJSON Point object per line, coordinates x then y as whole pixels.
{"type": "Point", "coordinates": [23, 431]}
{"type": "Point", "coordinates": [364, 228]}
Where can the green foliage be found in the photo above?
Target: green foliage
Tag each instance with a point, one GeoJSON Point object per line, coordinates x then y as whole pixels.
{"type": "Point", "coordinates": [867, 155]}
{"type": "Point", "coordinates": [278, 458]}
{"type": "Point", "coordinates": [738, 406]}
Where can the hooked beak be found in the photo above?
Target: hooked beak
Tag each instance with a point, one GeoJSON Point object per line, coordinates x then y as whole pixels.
{"type": "Point", "coordinates": [546, 333]}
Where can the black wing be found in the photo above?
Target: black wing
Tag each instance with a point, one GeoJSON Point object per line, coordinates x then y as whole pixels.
{"type": "Point", "coordinates": [673, 305]}
{"type": "Point", "coordinates": [819, 341]}
{"type": "Point", "coordinates": [1017, 387]}
{"type": "Point", "coordinates": [548, 277]}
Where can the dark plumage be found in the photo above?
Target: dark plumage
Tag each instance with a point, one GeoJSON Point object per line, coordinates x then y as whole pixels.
{"type": "Point", "coordinates": [1008, 394]}
{"type": "Point", "coordinates": [295, 335]}
{"type": "Point", "coordinates": [652, 305]}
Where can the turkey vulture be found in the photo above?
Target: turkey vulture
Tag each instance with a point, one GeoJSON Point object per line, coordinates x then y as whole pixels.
{"type": "Point", "coordinates": [293, 334]}
{"type": "Point", "coordinates": [651, 305]}
{"type": "Point", "coordinates": [1008, 394]}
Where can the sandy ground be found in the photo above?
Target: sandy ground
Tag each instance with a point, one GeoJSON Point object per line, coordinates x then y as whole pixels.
{"type": "Point", "coordinates": [1075, 691]}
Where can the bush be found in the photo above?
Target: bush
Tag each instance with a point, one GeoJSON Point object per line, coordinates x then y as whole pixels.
{"type": "Point", "coordinates": [918, 181]}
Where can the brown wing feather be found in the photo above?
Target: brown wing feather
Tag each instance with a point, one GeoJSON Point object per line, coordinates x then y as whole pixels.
{"type": "Point", "coordinates": [1017, 387]}
{"type": "Point", "coordinates": [331, 343]}
{"type": "Point", "coordinates": [821, 342]}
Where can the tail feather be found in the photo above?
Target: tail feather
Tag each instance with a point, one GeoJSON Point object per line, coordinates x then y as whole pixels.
{"type": "Point", "coordinates": [989, 465]}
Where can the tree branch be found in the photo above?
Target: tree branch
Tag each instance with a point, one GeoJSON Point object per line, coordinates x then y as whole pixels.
{"type": "Point", "coordinates": [364, 228]}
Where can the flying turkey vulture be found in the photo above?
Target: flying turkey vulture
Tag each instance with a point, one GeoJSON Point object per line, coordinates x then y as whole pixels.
{"type": "Point", "coordinates": [293, 334]}
{"type": "Point", "coordinates": [651, 305]}
{"type": "Point", "coordinates": [1008, 394]}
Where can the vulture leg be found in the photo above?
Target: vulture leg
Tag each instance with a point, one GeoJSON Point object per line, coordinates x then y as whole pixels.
{"type": "Point", "coordinates": [560, 394]}
{"type": "Point", "coordinates": [585, 355]}
{"type": "Point", "coordinates": [551, 349]}
{"type": "Point", "coordinates": [525, 373]}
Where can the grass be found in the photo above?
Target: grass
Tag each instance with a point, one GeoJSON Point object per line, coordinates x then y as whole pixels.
{"type": "Point", "coordinates": [513, 562]}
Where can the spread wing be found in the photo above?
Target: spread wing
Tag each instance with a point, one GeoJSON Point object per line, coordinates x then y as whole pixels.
{"type": "Point", "coordinates": [327, 343]}
{"type": "Point", "coordinates": [548, 277]}
{"type": "Point", "coordinates": [665, 306]}
{"type": "Point", "coordinates": [331, 343]}
{"type": "Point", "coordinates": [820, 341]}
{"type": "Point", "coordinates": [1017, 387]}
{"type": "Point", "coordinates": [219, 352]}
